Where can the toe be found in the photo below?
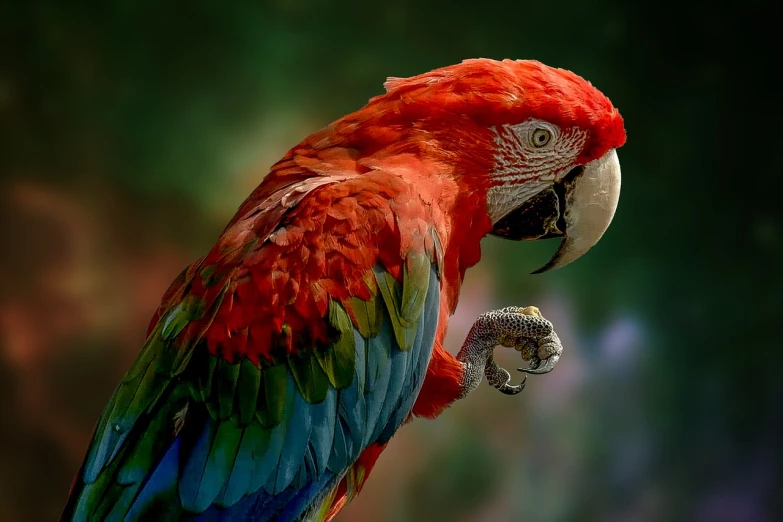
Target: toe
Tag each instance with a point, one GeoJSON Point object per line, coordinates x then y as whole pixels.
{"type": "Point", "coordinates": [546, 366]}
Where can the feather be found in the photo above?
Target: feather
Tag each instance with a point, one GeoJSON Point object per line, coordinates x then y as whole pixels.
{"type": "Point", "coordinates": [267, 457]}
{"type": "Point", "coordinates": [366, 315]}
{"type": "Point", "coordinates": [425, 340]}
{"type": "Point", "coordinates": [310, 377]}
{"type": "Point", "coordinates": [324, 416]}
{"type": "Point", "coordinates": [191, 308]}
{"type": "Point", "coordinates": [304, 498]}
{"type": "Point", "coordinates": [272, 395]}
{"type": "Point", "coordinates": [295, 443]}
{"type": "Point", "coordinates": [160, 491]}
{"type": "Point", "coordinates": [120, 507]}
{"type": "Point", "coordinates": [338, 360]}
{"type": "Point", "coordinates": [224, 386]}
{"type": "Point", "coordinates": [398, 368]}
{"type": "Point", "coordinates": [242, 468]}
{"type": "Point", "coordinates": [204, 369]}
{"type": "Point", "coordinates": [404, 331]}
{"type": "Point", "coordinates": [262, 451]}
{"type": "Point", "coordinates": [142, 385]}
{"type": "Point", "coordinates": [193, 494]}
{"type": "Point", "coordinates": [415, 283]}
{"type": "Point", "coordinates": [378, 365]}
{"type": "Point", "coordinates": [352, 407]}
{"type": "Point", "coordinates": [141, 460]}
{"type": "Point", "coordinates": [246, 398]}
{"type": "Point", "coordinates": [341, 447]}
{"type": "Point", "coordinates": [205, 474]}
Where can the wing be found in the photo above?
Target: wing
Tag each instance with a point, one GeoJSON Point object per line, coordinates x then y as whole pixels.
{"type": "Point", "coordinates": [230, 411]}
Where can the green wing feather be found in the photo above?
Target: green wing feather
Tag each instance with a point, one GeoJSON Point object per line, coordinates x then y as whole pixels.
{"type": "Point", "coordinates": [405, 303]}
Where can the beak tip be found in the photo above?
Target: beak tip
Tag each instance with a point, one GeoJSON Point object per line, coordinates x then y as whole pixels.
{"type": "Point", "coordinates": [561, 257]}
{"type": "Point", "coordinates": [590, 207]}
{"type": "Point", "coordinates": [553, 264]}
{"type": "Point", "coordinates": [541, 270]}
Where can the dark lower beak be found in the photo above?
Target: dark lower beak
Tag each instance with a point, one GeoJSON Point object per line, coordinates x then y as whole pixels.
{"type": "Point", "coordinates": [540, 217]}
{"type": "Point", "coordinates": [579, 208]}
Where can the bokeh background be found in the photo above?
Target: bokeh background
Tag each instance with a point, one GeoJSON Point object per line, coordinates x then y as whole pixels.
{"type": "Point", "coordinates": [131, 131]}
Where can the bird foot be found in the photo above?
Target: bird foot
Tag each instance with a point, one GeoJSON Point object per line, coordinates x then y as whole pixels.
{"type": "Point", "coordinates": [523, 329]}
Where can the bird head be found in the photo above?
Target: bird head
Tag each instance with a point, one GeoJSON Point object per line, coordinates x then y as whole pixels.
{"type": "Point", "coordinates": [537, 142]}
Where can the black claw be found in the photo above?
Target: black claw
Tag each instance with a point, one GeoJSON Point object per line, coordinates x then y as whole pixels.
{"type": "Point", "coordinates": [513, 390]}
{"type": "Point", "coordinates": [540, 369]}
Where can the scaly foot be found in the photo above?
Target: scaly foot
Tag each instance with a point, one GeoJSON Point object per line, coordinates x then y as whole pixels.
{"type": "Point", "coordinates": [523, 329]}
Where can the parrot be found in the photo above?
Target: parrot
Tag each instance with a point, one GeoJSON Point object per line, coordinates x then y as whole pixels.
{"type": "Point", "coordinates": [278, 366]}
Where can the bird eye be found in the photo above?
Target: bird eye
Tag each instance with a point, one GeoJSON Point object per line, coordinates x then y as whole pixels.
{"type": "Point", "coordinates": [541, 137]}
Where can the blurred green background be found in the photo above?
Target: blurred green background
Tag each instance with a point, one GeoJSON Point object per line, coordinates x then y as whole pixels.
{"type": "Point", "coordinates": [131, 131]}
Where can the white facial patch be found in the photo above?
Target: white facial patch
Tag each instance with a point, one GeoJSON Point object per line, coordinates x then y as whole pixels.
{"type": "Point", "coordinates": [502, 199]}
{"type": "Point", "coordinates": [525, 163]}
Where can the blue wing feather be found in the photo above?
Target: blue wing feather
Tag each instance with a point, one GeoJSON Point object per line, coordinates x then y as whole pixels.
{"type": "Point", "coordinates": [323, 417]}
{"type": "Point", "coordinates": [304, 498]}
{"type": "Point", "coordinates": [352, 408]}
{"type": "Point", "coordinates": [242, 470]}
{"type": "Point", "coordinates": [380, 350]}
{"type": "Point", "coordinates": [400, 361]}
{"type": "Point", "coordinates": [296, 440]}
{"type": "Point", "coordinates": [424, 343]}
{"type": "Point", "coordinates": [268, 457]}
{"type": "Point", "coordinates": [190, 486]}
{"type": "Point", "coordinates": [341, 447]}
{"type": "Point", "coordinates": [162, 483]}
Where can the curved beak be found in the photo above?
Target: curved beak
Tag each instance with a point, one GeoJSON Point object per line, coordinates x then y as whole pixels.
{"type": "Point", "coordinates": [579, 208]}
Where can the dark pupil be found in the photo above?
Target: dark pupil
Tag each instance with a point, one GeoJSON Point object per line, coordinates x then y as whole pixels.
{"type": "Point", "coordinates": [541, 137]}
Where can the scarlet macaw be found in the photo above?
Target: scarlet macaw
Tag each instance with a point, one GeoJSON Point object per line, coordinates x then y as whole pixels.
{"type": "Point", "coordinates": [279, 365]}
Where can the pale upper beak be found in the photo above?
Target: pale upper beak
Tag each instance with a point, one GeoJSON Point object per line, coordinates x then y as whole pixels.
{"type": "Point", "coordinates": [579, 208]}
